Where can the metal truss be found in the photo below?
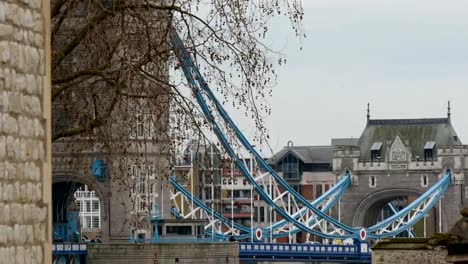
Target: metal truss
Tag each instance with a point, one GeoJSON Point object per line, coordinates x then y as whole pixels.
{"type": "Point", "coordinates": [411, 214]}
{"type": "Point", "coordinates": [394, 210]}
{"type": "Point", "coordinates": [192, 208]}
{"type": "Point", "coordinates": [222, 227]}
{"type": "Point", "coordinates": [280, 196]}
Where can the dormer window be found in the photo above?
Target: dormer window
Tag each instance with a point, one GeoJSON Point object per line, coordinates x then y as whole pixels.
{"type": "Point", "coordinates": [429, 151]}
{"type": "Point", "coordinates": [290, 167]}
{"type": "Point", "coordinates": [376, 151]}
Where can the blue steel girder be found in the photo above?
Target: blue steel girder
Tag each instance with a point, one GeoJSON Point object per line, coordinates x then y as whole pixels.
{"type": "Point", "coordinates": [215, 115]}
{"type": "Point", "coordinates": [190, 70]}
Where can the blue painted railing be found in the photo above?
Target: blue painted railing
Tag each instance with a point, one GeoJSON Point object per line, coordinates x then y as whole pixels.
{"type": "Point", "coordinates": [358, 253]}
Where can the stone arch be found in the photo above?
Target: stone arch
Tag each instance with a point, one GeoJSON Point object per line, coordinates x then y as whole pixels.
{"type": "Point", "coordinates": [92, 183]}
{"type": "Point", "coordinates": [368, 209]}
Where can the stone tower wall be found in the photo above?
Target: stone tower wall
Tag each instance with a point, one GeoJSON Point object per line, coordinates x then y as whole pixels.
{"type": "Point", "coordinates": [25, 153]}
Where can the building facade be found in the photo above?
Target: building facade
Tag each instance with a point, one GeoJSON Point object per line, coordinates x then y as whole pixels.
{"type": "Point", "coordinates": [308, 169]}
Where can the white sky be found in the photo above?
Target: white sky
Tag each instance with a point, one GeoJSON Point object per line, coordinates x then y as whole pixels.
{"type": "Point", "coordinates": [406, 58]}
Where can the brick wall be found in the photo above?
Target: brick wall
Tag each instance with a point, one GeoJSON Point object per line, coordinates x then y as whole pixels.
{"type": "Point", "coordinates": [25, 176]}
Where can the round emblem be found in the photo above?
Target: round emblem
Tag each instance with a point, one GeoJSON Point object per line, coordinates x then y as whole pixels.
{"type": "Point", "coordinates": [258, 234]}
{"type": "Point", "coordinates": [363, 234]}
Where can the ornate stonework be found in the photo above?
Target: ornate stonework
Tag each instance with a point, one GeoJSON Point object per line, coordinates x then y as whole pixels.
{"type": "Point", "coordinates": [398, 151]}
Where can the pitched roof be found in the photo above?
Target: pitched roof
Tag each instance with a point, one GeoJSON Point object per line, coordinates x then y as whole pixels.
{"type": "Point", "coordinates": [307, 154]}
{"type": "Point", "coordinates": [414, 133]}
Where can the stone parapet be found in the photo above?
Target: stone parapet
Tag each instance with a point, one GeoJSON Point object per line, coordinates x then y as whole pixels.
{"type": "Point", "coordinates": [207, 253]}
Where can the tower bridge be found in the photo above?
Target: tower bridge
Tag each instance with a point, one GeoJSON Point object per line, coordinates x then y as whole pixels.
{"type": "Point", "coordinates": [417, 166]}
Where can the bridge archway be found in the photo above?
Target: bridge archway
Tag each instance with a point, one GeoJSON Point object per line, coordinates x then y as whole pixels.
{"type": "Point", "coordinates": [369, 209]}
{"type": "Point", "coordinates": [65, 184]}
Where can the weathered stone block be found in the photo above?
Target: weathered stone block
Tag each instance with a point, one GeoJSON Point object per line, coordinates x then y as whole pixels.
{"type": "Point", "coordinates": [10, 124]}
{"type": "Point", "coordinates": [37, 22]}
{"type": "Point", "coordinates": [20, 234]}
{"type": "Point", "coordinates": [18, 35]}
{"type": "Point", "coordinates": [19, 259]}
{"type": "Point", "coordinates": [2, 148]}
{"type": "Point", "coordinates": [16, 102]}
{"type": "Point", "coordinates": [16, 211]}
{"type": "Point", "coordinates": [38, 128]}
{"type": "Point", "coordinates": [37, 254]}
{"type": "Point", "coordinates": [39, 232]}
{"type": "Point", "coordinates": [38, 40]}
{"type": "Point", "coordinates": [32, 105]}
{"type": "Point", "coordinates": [31, 86]}
{"type": "Point", "coordinates": [4, 213]}
{"type": "Point", "coordinates": [27, 255]}
{"type": "Point", "coordinates": [7, 192]}
{"type": "Point", "coordinates": [3, 9]}
{"type": "Point", "coordinates": [6, 31]}
{"type": "Point", "coordinates": [13, 53]}
{"type": "Point", "coordinates": [30, 234]}
{"type": "Point", "coordinates": [10, 170]}
{"type": "Point", "coordinates": [21, 82]}
{"type": "Point", "coordinates": [12, 147]}
{"type": "Point", "coordinates": [4, 55]}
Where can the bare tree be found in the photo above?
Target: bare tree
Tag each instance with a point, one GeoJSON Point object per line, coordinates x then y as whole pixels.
{"type": "Point", "coordinates": [108, 52]}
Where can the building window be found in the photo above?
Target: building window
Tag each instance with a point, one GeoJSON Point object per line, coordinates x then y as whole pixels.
{"type": "Point", "coordinates": [262, 214]}
{"type": "Point", "coordinates": [424, 181]}
{"type": "Point", "coordinates": [290, 167]}
{"type": "Point", "coordinates": [255, 209]}
{"type": "Point", "coordinates": [372, 182]}
{"type": "Point", "coordinates": [429, 149]}
{"type": "Point", "coordinates": [376, 151]}
{"type": "Point", "coordinates": [142, 126]}
{"type": "Point", "coordinates": [318, 190]}
{"type": "Point", "coordinates": [143, 192]}
{"type": "Point", "coordinates": [90, 210]}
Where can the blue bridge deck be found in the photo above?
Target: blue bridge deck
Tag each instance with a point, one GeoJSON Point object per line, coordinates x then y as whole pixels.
{"type": "Point", "coordinates": [252, 252]}
{"type": "Point", "coordinates": [358, 253]}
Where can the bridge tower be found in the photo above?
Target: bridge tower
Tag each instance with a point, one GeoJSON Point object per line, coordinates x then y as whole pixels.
{"type": "Point", "coordinates": [111, 133]}
{"type": "Point", "coordinates": [398, 160]}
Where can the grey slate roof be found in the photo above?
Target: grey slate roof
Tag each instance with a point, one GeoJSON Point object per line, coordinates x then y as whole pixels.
{"type": "Point", "coordinates": [414, 133]}
{"type": "Point", "coordinates": [308, 154]}
{"type": "Point", "coordinates": [345, 141]}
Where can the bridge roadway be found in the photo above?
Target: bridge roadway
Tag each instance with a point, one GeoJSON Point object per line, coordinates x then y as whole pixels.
{"type": "Point", "coordinates": [258, 252]}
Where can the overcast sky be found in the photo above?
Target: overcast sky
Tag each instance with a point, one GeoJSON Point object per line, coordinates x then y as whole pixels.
{"type": "Point", "coordinates": [406, 58]}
